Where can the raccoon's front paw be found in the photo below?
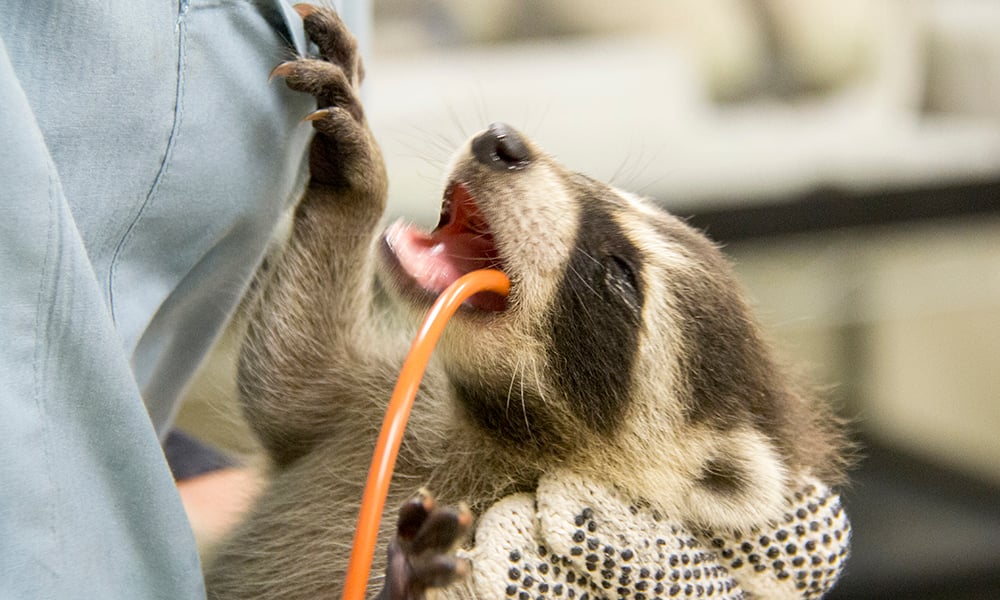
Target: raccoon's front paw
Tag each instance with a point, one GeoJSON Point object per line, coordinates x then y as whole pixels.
{"type": "Point", "coordinates": [421, 554]}
{"type": "Point", "coordinates": [343, 153]}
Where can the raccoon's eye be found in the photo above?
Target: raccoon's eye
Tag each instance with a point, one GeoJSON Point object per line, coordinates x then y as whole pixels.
{"type": "Point", "coordinates": [621, 278]}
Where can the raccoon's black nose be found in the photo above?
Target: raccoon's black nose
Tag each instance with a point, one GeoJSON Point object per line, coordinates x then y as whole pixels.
{"type": "Point", "coordinates": [501, 148]}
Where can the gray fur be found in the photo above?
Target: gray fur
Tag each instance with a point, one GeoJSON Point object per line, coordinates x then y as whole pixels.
{"type": "Point", "coordinates": [699, 421]}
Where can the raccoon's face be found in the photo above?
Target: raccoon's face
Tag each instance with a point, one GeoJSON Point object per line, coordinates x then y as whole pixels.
{"type": "Point", "coordinates": [564, 343]}
{"type": "Point", "coordinates": [624, 339]}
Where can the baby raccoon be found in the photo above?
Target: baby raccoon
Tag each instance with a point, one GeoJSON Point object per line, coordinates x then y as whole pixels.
{"type": "Point", "coordinates": [624, 361]}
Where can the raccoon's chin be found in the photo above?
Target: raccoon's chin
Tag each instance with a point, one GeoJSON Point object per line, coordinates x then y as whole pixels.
{"type": "Point", "coordinates": [461, 243]}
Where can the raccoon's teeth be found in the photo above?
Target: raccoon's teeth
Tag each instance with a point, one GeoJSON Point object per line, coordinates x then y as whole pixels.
{"type": "Point", "coordinates": [446, 207]}
{"type": "Point", "coordinates": [462, 242]}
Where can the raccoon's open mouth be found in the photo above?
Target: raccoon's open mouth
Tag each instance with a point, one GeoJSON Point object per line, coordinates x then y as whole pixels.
{"type": "Point", "coordinates": [461, 243]}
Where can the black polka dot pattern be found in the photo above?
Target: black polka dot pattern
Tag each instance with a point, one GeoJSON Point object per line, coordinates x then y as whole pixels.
{"type": "Point", "coordinates": [804, 550]}
{"type": "Point", "coordinates": [574, 540]}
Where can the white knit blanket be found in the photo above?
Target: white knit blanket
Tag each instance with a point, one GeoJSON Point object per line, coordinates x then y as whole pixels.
{"type": "Point", "coordinates": [574, 539]}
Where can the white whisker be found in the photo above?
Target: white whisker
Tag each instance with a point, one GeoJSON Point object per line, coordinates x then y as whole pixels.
{"type": "Point", "coordinates": [524, 406]}
{"type": "Point", "coordinates": [510, 389]}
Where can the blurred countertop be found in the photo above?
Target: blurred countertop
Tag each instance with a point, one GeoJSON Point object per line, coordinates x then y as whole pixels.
{"type": "Point", "coordinates": [630, 110]}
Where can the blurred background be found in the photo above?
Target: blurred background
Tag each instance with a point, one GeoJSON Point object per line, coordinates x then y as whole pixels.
{"type": "Point", "coordinates": [846, 153]}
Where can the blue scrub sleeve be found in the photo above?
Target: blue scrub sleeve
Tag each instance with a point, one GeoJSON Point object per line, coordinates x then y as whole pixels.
{"type": "Point", "coordinates": [144, 162]}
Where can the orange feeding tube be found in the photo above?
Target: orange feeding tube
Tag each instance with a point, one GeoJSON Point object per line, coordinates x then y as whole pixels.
{"type": "Point", "coordinates": [387, 446]}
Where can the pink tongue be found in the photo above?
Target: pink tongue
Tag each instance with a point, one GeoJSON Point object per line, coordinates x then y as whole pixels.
{"type": "Point", "coordinates": [436, 261]}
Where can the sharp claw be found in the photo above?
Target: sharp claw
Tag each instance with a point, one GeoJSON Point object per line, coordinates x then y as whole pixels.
{"type": "Point", "coordinates": [427, 499]}
{"type": "Point", "coordinates": [317, 115]}
{"type": "Point", "coordinates": [464, 515]}
{"type": "Point", "coordinates": [283, 70]}
{"type": "Point", "coordinates": [304, 10]}
{"type": "Point", "coordinates": [462, 567]}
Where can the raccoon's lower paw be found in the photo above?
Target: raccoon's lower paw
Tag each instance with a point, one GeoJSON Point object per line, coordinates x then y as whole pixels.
{"type": "Point", "coordinates": [421, 554]}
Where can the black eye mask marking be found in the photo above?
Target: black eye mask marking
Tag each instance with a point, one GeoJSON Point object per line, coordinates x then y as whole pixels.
{"type": "Point", "coordinates": [597, 319]}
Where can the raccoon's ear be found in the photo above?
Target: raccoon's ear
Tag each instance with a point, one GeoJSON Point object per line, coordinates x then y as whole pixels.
{"type": "Point", "coordinates": [740, 479]}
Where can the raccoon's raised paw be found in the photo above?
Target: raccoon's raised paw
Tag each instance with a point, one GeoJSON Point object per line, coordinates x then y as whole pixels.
{"type": "Point", "coordinates": [421, 554]}
{"type": "Point", "coordinates": [343, 152]}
